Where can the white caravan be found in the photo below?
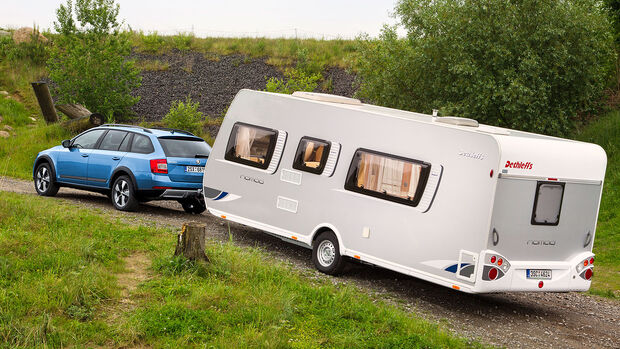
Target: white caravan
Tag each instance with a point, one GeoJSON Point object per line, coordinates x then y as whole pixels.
{"type": "Point", "coordinates": [472, 207]}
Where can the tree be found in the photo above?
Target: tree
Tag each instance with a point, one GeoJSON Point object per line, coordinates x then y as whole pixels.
{"type": "Point", "coordinates": [88, 62]}
{"type": "Point", "coordinates": [524, 64]}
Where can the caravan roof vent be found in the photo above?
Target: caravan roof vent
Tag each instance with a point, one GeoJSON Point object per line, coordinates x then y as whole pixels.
{"type": "Point", "coordinates": [324, 97]}
{"type": "Point", "coordinates": [454, 120]}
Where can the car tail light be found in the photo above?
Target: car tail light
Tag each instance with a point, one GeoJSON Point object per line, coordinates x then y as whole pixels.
{"type": "Point", "coordinates": [584, 268]}
{"type": "Point", "coordinates": [159, 166]}
{"type": "Point", "coordinates": [492, 273]}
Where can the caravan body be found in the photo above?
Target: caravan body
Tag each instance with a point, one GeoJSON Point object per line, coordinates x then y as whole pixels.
{"type": "Point", "coordinates": [471, 207]}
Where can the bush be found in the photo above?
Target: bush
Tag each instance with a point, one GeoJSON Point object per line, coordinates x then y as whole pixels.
{"type": "Point", "coordinates": [531, 64]}
{"type": "Point", "coordinates": [184, 116]}
{"type": "Point", "coordinates": [296, 80]}
{"type": "Point", "coordinates": [88, 62]}
{"type": "Point", "coordinates": [152, 42]}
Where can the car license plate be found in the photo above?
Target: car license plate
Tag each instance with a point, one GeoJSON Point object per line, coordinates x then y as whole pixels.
{"type": "Point", "coordinates": [194, 169]}
{"type": "Point", "coordinates": [539, 274]}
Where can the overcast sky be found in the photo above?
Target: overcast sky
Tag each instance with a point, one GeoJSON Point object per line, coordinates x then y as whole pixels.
{"type": "Point", "coordinates": [271, 18]}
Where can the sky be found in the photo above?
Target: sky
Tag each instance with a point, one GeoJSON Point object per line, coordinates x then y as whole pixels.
{"type": "Point", "coordinates": [270, 18]}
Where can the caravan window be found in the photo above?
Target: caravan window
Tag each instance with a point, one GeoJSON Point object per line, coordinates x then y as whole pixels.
{"type": "Point", "coordinates": [311, 155]}
{"type": "Point", "coordinates": [547, 203]}
{"type": "Point", "coordinates": [387, 177]}
{"type": "Point", "coordinates": [251, 145]}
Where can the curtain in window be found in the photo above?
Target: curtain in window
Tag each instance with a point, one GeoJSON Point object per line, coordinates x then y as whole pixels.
{"type": "Point", "coordinates": [244, 141]}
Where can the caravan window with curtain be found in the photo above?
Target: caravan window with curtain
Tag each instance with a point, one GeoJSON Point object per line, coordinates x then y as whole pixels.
{"type": "Point", "coordinates": [251, 145]}
{"type": "Point", "coordinates": [388, 177]}
{"type": "Point", "coordinates": [311, 155]}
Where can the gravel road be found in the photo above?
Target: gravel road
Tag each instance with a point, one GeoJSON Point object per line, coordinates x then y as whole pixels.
{"type": "Point", "coordinates": [517, 320]}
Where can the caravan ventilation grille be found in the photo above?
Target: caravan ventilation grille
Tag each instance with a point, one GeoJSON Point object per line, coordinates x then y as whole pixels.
{"type": "Point", "coordinates": [324, 97]}
{"type": "Point", "coordinates": [454, 120]}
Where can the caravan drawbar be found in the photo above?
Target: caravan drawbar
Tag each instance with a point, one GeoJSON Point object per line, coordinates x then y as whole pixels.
{"type": "Point", "coordinates": [468, 206]}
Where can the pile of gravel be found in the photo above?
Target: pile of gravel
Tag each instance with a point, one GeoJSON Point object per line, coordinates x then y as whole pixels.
{"type": "Point", "coordinates": [213, 82]}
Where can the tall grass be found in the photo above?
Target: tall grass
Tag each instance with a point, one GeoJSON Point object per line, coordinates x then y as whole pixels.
{"type": "Point", "coordinates": [59, 287]}
{"type": "Point", "coordinates": [606, 132]}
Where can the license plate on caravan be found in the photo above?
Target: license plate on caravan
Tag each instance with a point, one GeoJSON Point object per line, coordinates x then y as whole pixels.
{"type": "Point", "coordinates": [539, 274]}
{"type": "Point", "coordinates": [194, 169]}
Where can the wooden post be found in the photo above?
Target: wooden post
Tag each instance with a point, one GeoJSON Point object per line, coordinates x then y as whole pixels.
{"type": "Point", "coordinates": [84, 123]}
{"type": "Point", "coordinates": [191, 242]}
{"type": "Point", "coordinates": [73, 111]}
{"type": "Point", "coordinates": [45, 101]}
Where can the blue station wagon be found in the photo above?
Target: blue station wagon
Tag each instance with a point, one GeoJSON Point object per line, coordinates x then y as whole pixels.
{"type": "Point", "coordinates": [130, 164]}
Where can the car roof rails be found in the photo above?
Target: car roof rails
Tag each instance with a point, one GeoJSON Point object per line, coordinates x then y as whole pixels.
{"type": "Point", "coordinates": [124, 125]}
{"type": "Point", "coordinates": [173, 130]}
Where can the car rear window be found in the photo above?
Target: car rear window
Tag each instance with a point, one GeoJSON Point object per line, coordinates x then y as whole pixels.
{"type": "Point", "coordinates": [185, 147]}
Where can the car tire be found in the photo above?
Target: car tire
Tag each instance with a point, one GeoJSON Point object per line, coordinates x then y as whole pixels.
{"type": "Point", "coordinates": [326, 254]}
{"type": "Point", "coordinates": [44, 181]}
{"type": "Point", "coordinates": [124, 194]}
{"type": "Point", "coordinates": [194, 206]}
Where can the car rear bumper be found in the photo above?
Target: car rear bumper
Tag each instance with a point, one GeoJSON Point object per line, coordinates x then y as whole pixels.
{"type": "Point", "coordinates": [564, 277]}
{"type": "Point", "coordinates": [180, 194]}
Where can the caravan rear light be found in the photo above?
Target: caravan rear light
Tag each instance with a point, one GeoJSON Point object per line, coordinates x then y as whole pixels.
{"type": "Point", "coordinates": [592, 260]}
{"type": "Point", "coordinates": [541, 284]}
{"type": "Point", "coordinates": [159, 166]}
{"type": "Point", "coordinates": [491, 174]}
{"type": "Point", "coordinates": [493, 259]}
{"type": "Point", "coordinates": [500, 262]}
{"type": "Point", "coordinates": [585, 263]}
{"type": "Point", "coordinates": [493, 273]}
{"type": "Point", "coordinates": [588, 274]}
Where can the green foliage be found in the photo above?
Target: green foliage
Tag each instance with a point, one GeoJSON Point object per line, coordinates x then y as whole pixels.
{"type": "Point", "coordinates": [34, 51]}
{"type": "Point", "coordinates": [183, 41]}
{"type": "Point", "coordinates": [185, 116]}
{"type": "Point", "coordinates": [295, 80]}
{"type": "Point", "coordinates": [606, 133]}
{"type": "Point", "coordinates": [152, 42]}
{"type": "Point", "coordinates": [88, 60]}
{"type": "Point", "coordinates": [531, 65]}
{"type": "Point", "coordinates": [613, 10]}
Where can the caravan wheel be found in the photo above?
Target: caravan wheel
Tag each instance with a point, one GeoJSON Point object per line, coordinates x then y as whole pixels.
{"type": "Point", "coordinates": [326, 254]}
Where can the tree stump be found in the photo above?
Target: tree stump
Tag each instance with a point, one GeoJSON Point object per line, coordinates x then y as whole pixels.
{"type": "Point", "coordinates": [191, 242]}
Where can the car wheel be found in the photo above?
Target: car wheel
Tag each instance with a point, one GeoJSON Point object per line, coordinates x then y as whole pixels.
{"type": "Point", "coordinates": [194, 206]}
{"type": "Point", "coordinates": [326, 254]}
{"type": "Point", "coordinates": [44, 181]}
{"type": "Point", "coordinates": [124, 195]}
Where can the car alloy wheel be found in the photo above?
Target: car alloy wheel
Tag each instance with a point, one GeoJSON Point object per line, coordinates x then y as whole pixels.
{"type": "Point", "coordinates": [121, 193]}
{"type": "Point", "coordinates": [43, 179]}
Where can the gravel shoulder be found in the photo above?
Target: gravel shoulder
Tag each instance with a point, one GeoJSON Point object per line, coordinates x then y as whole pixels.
{"type": "Point", "coordinates": [515, 320]}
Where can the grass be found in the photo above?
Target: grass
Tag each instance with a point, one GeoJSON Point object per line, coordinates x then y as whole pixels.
{"type": "Point", "coordinates": [17, 153]}
{"type": "Point", "coordinates": [13, 113]}
{"type": "Point", "coordinates": [279, 52]}
{"type": "Point", "coordinates": [606, 133]}
{"type": "Point", "coordinates": [152, 65]}
{"type": "Point", "coordinates": [59, 286]}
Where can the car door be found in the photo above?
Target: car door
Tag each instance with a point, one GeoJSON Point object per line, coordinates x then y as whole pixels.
{"type": "Point", "coordinates": [72, 162]}
{"type": "Point", "coordinates": [103, 160]}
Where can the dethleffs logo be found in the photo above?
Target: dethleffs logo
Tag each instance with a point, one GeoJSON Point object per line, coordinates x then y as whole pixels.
{"type": "Point", "coordinates": [520, 165]}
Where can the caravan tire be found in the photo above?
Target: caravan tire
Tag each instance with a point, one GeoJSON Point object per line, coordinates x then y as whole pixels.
{"type": "Point", "coordinates": [326, 254]}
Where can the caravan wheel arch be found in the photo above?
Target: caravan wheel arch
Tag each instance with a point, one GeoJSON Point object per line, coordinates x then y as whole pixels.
{"type": "Point", "coordinates": [323, 227]}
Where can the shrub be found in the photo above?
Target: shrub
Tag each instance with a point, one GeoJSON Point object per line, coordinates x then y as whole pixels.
{"type": "Point", "coordinates": [530, 64]}
{"type": "Point", "coordinates": [296, 80]}
{"type": "Point", "coordinates": [152, 42]}
{"type": "Point", "coordinates": [184, 116]}
{"type": "Point", "coordinates": [88, 61]}
{"type": "Point", "coordinates": [34, 50]}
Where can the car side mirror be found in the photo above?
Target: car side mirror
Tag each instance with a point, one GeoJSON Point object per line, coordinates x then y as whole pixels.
{"type": "Point", "coordinates": [66, 143]}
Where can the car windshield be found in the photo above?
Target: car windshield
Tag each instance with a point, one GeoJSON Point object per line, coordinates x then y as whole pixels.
{"type": "Point", "coordinates": [185, 147]}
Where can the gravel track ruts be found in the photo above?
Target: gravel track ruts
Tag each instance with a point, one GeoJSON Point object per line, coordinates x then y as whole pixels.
{"type": "Point", "coordinates": [514, 320]}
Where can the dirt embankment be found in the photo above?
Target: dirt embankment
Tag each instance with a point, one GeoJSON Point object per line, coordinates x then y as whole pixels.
{"type": "Point", "coordinates": [212, 81]}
